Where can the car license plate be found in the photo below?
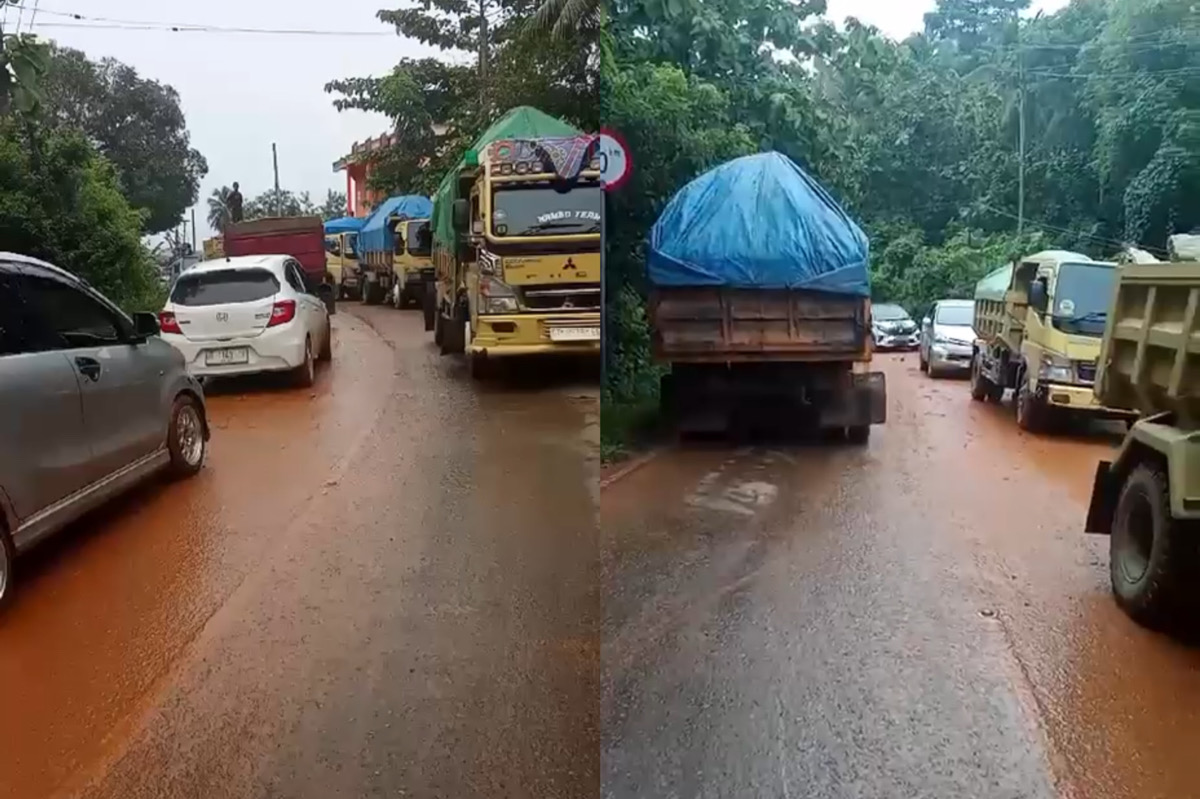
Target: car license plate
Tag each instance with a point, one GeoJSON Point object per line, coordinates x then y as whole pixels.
{"type": "Point", "coordinates": [574, 334]}
{"type": "Point", "coordinates": [227, 356]}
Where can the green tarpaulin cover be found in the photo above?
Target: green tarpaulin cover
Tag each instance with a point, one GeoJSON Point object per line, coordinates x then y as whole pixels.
{"type": "Point", "coordinates": [522, 122]}
{"type": "Point", "coordinates": [995, 285]}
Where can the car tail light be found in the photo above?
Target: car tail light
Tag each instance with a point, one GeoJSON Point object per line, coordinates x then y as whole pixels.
{"type": "Point", "coordinates": [167, 323]}
{"type": "Point", "coordinates": [283, 312]}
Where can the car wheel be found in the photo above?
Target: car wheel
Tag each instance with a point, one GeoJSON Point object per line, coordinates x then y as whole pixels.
{"type": "Point", "coordinates": [1154, 560]}
{"type": "Point", "coordinates": [7, 560]}
{"type": "Point", "coordinates": [306, 373]}
{"type": "Point", "coordinates": [185, 437]}
{"type": "Point", "coordinates": [327, 345]}
{"type": "Point", "coordinates": [924, 364]}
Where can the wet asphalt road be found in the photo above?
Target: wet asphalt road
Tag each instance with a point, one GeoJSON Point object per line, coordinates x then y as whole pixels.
{"type": "Point", "coordinates": [923, 617]}
{"type": "Point", "coordinates": [385, 586]}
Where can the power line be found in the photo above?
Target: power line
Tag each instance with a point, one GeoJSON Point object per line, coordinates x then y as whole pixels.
{"type": "Point", "coordinates": [1078, 233]}
{"type": "Point", "coordinates": [110, 23]}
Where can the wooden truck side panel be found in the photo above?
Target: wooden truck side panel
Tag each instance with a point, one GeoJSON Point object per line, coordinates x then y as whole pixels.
{"type": "Point", "coordinates": [721, 325]}
{"type": "Point", "coordinates": [302, 237]}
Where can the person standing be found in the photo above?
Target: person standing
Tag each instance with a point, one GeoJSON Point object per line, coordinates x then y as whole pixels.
{"type": "Point", "coordinates": [234, 201]}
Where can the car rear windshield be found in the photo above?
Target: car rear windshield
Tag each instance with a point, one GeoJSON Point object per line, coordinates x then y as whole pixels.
{"type": "Point", "coordinates": [224, 286]}
{"type": "Point", "coordinates": [960, 315]}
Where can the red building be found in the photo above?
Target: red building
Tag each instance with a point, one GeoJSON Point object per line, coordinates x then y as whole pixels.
{"type": "Point", "coordinates": [357, 166]}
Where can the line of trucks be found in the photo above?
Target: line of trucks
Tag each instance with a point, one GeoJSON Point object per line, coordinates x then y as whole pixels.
{"type": "Point", "coordinates": [759, 305]}
{"type": "Point", "coordinates": [503, 261]}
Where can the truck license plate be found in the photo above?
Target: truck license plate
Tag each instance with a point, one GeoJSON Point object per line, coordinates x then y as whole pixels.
{"type": "Point", "coordinates": [227, 356]}
{"type": "Point", "coordinates": [574, 334]}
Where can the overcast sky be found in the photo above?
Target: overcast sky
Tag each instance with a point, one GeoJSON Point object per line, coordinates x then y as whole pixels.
{"type": "Point", "coordinates": [241, 92]}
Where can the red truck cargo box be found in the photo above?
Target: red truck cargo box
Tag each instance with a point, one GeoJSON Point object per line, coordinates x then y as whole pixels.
{"type": "Point", "coordinates": [302, 237]}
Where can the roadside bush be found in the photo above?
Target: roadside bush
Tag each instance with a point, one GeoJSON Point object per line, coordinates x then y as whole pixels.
{"type": "Point", "coordinates": [60, 201]}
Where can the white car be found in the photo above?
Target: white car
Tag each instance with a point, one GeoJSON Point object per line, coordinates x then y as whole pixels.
{"type": "Point", "coordinates": [245, 315]}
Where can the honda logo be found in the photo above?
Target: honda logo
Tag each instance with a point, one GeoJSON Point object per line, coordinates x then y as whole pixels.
{"type": "Point", "coordinates": [222, 316]}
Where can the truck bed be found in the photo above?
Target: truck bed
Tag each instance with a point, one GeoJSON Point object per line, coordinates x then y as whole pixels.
{"type": "Point", "coordinates": [722, 325]}
{"type": "Point", "coordinates": [1150, 357]}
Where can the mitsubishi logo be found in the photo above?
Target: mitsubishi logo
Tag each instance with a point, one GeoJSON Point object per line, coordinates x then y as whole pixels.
{"type": "Point", "coordinates": [570, 264]}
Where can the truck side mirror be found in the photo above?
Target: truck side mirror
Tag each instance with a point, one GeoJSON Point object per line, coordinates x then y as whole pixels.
{"type": "Point", "coordinates": [1038, 295]}
{"type": "Point", "coordinates": [461, 215]}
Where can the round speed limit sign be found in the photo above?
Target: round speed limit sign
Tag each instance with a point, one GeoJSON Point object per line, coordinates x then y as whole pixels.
{"type": "Point", "coordinates": [615, 161]}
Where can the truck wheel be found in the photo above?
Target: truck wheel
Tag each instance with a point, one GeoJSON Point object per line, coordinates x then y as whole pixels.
{"type": "Point", "coordinates": [1154, 560]}
{"type": "Point", "coordinates": [439, 329]}
{"type": "Point", "coordinates": [667, 405]}
{"type": "Point", "coordinates": [481, 367]}
{"type": "Point", "coordinates": [454, 333]}
{"type": "Point", "coordinates": [924, 364]}
{"type": "Point", "coordinates": [1031, 414]}
{"type": "Point", "coordinates": [429, 308]}
{"type": "Point", "coordinates": [326, 353]}
{"type": "Point", "coordinates": [858, 434]}
{"type": "Point", "coordinates": [981, 387]}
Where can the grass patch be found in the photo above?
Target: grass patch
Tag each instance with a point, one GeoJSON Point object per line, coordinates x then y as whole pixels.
{"type": "Point", "coordinates": [625, 427]}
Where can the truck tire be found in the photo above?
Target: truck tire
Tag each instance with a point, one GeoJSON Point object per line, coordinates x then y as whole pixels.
{"type": "Point", "coordinates": [429, 307]}
{"type": "Point", "coordinates": [858, 434]}
{"type": "Point", "coordinates": [439, 328]}
{"type": "Point", "coordinates": [1154, 560]}
{"type": "Point", "coordinates": [454, 333]}
{"type": "Point", "coordinates": [982, 388]}
{"type": "Point", "coordinates": [668, 407]}
{"type": "Point", "coordinates": [1032, 415]}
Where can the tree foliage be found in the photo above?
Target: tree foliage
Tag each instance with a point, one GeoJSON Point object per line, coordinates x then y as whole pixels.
{"type": "Point", "coordinates": [60, 200]}
{"type": "Point", "coordinates": [918, 138]}
{"type": "Point", "coordinates": [135, 122]}
{"type": "Point", "coordinates": [438, 107]}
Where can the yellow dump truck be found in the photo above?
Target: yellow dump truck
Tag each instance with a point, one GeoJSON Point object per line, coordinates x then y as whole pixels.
{"type": "Point", "coordinates": [214, 248]}
{"type": "Point", "coordinates": [1039, 323]}
{"type": "Point", "coordinates": [1147, 499]}
{"type": "Point", "coordinates": [516, 242]}
{"type": "Point", "coordinates": [412, 263]}
{"type": "Point", "coordinates": [341, 261]}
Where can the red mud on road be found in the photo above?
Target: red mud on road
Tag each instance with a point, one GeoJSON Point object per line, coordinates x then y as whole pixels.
{"type": "Point", "coordinates": [104, 610]}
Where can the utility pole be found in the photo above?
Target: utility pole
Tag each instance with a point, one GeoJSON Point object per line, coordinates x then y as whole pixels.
{"type": "Point", "coordinates": [193, 230]}
{"type": "Point", "coordinates": [1020, 133]}
{"type": "Point", "coordinates": [275, 165]}
{"type": "Point", "coordinates": [483, 54]}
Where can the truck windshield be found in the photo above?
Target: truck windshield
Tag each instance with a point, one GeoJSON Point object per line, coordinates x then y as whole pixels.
{"type": "Point", "coordinates": [1081, 297]}
{"type": "Point", "coordinates": [545, 211]}
{"type": "Point", "coordinates": [420, 243]}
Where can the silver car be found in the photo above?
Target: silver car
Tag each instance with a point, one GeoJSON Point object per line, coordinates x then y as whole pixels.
{"type": "Point", "coordinates": [947, 337]}
{"type": "Point", "coordinates": [92, 402]}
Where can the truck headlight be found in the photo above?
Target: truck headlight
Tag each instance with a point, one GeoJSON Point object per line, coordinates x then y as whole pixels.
{"type": "Point", "coordinates": [496, 296]}
{"type": "Point", "coordinates": [1056, 369]}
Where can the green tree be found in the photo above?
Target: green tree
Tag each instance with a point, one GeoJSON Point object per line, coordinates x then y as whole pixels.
{"type": "Point", "coordinates": [218, 209]}
{"type": "Point", "coordinates": [61, 201]}
{"type": "Point", "coordinates": [565, 18]}
{"type": "Point", "coordinates": [137, 123]}
{"type": "Point", "coordinates": [282, 203]}
{"type": "Point", "coordinates": [334, 206]}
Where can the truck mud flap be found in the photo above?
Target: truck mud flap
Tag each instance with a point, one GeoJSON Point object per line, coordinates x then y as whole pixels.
{"type": "Point", "coordinates": [864, 402]}
{"type": "Point", "coordinates": [1103, 503]}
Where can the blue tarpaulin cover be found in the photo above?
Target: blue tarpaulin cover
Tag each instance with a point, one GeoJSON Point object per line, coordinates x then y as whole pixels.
{"type": "Point", "coordinates": [375, 236]}
{"type": "Point", "coordinates": [346, 224]}
{"type": "Point", "coordinates": [758, 222]}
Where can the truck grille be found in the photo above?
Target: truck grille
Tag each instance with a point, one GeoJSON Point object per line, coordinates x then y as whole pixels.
{"type": "Point", "coordinates": [1085, 371]}
{"type": "Point", "coordinates": [557, 297]}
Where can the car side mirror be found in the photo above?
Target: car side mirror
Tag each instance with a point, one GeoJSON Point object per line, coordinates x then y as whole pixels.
{"type": "Point", "coordinates": [461, 215]}
{"type": "Point", "coordinates": [926, 322]}
{"type": "Point", "coordinates": [145, 325]}
{"type": "Point", "coordinates": [1039, 297]}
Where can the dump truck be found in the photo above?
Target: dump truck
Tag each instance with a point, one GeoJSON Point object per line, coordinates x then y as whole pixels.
{"type": "Point", "coordinates": [383, 252]}
{"type": "Point", "coordinates": [1038, 326]}
{"type": "Point", "coordinates": [302, 237]}
{"type": "Point", "coordinates": [412, 264]}
{"type": "Point", "coordinates": [341, 255]}
{"type": "Point", "coordinates": [516, 243]}
{"type": "Point", "coordinates": [760, 304]}
{"type": "Point", "coordinates": [1147, 498]}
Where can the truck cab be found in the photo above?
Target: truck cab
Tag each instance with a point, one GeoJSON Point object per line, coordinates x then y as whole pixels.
{"type": "Point", "coordinates": [1042, 337]}
{"type": "Point", "coordinates": [412, 260]}
{"type": "Point", "coordinates": [341, 261]}
{"type": "Point", "coordinates": [521, 275]}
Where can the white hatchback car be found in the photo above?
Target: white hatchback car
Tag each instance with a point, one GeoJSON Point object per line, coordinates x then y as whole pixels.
{"type": "Point", "coordinates": [245, 315]}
